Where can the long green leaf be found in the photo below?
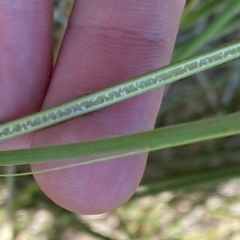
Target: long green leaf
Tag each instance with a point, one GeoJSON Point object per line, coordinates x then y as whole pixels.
{"type": "Point", "coordinates": [203, 11]}
{"type": "Point", "coordinates": [213, 29]}
{"type": "Point", "coordinates": [118, 93]}
{"type": "Point", "coordinates": [191, 182]}
{"type": "Point", "coordinates": [172, 136]}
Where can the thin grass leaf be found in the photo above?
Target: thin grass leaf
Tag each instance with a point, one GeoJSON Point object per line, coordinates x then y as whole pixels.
{"type": "Point", "coordinates": [118, 93]}
{"type": "Point", "coordinates": [97, 160]}
{"type": "Point", "coordinates": [191, 182]}
{"type": "Point", "coordinates": [232, 27]}
{"type": "Point", "coordinates": [162, 138]}
{"type": "Point", "coordinates": [210, 32]}
{"type": "Point", "coordinates": [202, 12]}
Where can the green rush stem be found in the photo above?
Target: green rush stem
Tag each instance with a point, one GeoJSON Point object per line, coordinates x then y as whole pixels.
{"type": "Point", "coordinates": [119, 93]}
{"type": "Point", "coordinates": [81, 164]}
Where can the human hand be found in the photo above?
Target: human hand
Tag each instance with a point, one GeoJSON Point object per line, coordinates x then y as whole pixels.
{"type": "Point", "coordinates": [107, 42]}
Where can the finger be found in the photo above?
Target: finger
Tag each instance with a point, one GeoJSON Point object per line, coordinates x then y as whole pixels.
{"type": "Point", "coordinates": [25, 60]}
{"type": "Point", "coordinates": [107, 42]}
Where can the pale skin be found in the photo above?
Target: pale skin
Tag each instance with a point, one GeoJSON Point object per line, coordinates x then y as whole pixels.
{"type": "Point", "coordinates": [107, 42]}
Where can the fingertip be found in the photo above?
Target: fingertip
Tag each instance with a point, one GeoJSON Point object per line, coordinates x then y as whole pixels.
{"type": "Point", "coordinates": [93, 189]}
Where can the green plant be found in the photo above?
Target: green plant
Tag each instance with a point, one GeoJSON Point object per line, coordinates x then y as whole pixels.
{"type": "Point", "coordinates": [207, 129]}
{"type": "Point", "coordinates": [183, 172]}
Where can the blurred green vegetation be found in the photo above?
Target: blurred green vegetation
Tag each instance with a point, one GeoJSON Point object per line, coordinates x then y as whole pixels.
{"type": "Point", "coordinates": [190, 192]}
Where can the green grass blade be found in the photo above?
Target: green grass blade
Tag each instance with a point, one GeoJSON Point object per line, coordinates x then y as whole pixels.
{"type": "Point", "coordinates": [95, 160]}
{"type": "Point", "coordinates": [192, 17]}
{"type": "Point", "coordinates": [147, 141]}
{"type": "Point", "coordinates": [211, 31]}
{"type": "Point", "coordinates": [119, 93]}
{"type": "Point", "coordinates": [191, 182]}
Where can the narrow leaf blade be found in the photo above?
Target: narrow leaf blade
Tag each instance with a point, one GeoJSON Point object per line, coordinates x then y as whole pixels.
{"type": "Point", "coordinates": [162, 138]}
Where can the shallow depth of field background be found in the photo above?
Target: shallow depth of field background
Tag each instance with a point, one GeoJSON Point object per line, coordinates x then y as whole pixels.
{"type": "Point", "coordinates": [190, 192]}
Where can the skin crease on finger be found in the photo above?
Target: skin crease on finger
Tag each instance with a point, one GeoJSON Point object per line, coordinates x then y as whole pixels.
{"type": "Point", "coordinates": [107, 42]}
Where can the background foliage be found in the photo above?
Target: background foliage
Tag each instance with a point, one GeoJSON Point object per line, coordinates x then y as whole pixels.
{"type": "Point", "coordinates": [189, 192]}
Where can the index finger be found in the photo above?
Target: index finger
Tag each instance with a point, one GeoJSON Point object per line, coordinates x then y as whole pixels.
{"type": "Point", "coordinates": [107, 42]}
